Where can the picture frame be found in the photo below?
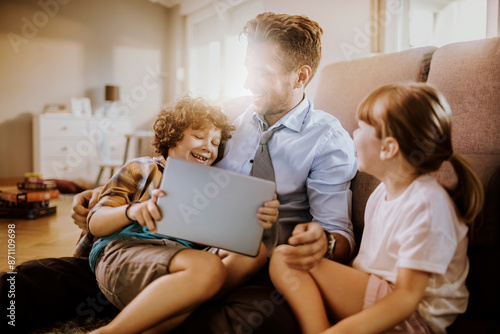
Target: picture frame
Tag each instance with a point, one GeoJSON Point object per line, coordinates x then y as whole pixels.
{"type": "Point", "coordinates": [80, 106]}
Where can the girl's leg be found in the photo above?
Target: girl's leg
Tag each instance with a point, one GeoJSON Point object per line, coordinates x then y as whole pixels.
{"type": "Point", "coordinates": [328, 290]}
{"type": "Point", "coordinates": [195, 277]}
{"type": "Point", "coordinates": [342, 287]}
{"type": "Point", "coordinates": [240, 268]}
{"type": "Point", "coordinates": [300, 291]}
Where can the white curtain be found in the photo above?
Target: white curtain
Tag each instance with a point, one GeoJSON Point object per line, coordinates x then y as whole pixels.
{"type": "Point", "coordinates": [461, 20]}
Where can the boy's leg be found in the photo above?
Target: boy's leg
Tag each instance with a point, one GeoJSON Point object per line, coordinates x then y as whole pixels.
{"type": "Point", "coordinates": [194, 277]}
{"type": "Point", "coordinates": [240, 268]}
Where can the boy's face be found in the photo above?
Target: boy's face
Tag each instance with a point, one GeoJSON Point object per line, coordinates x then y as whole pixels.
{"type": "Point", "coordinates": [200, 146]}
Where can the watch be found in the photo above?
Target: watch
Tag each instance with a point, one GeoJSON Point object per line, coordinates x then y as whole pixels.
{"type": "Point", "coordinates": [330, 248]}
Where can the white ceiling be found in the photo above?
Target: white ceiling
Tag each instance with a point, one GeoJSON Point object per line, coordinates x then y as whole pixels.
{"type": "Point", "coordinates": [167, 3]}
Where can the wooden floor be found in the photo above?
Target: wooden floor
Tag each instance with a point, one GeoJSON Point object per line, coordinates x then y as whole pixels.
{"type": "Point", "coordinates": [52, 236]}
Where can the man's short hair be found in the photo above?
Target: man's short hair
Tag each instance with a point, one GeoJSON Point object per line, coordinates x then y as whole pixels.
{"type": "Point", "coordinates": [298, 38]}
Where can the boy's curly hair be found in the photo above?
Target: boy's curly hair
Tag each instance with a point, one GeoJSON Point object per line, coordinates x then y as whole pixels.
{"type": "Point", "coordinates": [188, 112]}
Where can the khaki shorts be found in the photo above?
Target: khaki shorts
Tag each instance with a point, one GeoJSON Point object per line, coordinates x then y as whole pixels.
{"type": "Point", "coordinates": [377, 289]}
{"type": "Point", "coordinates": [127, 265]}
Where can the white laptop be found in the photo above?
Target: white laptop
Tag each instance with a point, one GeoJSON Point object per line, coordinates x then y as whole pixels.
{"type": "Point", "coordinates": [212, 206]}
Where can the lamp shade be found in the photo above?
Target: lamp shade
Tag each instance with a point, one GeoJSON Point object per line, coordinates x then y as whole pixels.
{"type": "Point", "coordinates": [112, 93]}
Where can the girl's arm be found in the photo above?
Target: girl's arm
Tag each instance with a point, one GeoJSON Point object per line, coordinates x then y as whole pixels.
{"type": "Point", "coordinates": [390, 310]}
{"type": "Point", "coordinates": [267, 214]}
{"type": "Point", "coordinates": [108, 220]}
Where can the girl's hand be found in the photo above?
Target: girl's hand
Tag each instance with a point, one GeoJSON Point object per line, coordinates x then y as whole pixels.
{"type": "Point", "coordinates": [267, 214]}
{"type": "Point", "coordinates": [147, 213]}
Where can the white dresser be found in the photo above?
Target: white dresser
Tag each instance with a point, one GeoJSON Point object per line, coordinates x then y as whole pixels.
{"type": "Point", "coordinates": [71, 147]}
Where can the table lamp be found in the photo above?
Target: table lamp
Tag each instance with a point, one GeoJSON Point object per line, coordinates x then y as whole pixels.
{"type": "Point", "coordinates": [112, 96]}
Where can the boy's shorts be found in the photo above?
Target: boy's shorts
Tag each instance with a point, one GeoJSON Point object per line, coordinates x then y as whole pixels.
{"type": "Point", "coordinates": [376, 289]}
{"type": "Point", "coordinates": [127, 265]}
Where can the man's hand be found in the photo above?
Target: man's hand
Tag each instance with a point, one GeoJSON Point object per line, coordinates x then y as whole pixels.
{"type": "Point", "coordinates": [267, 214]}
{"type": "Point", "coordinates": [82, 203]}
{"type": "Point", "coordinates": [309, 246]}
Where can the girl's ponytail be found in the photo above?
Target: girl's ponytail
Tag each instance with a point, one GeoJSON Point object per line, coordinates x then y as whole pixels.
{"type": "Point", "coordinates": [468, 194]}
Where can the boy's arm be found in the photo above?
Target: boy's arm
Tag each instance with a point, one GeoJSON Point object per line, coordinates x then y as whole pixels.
{"type": "Point", "coordinates": [108, 220]}
{"type": "Point", "coordinates": [390, 310]}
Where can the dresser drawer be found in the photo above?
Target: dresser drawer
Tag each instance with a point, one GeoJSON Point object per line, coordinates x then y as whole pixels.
{"type": "Point", "coordinates": [67, 149]}
{"type": "Point", "coordinates": [65, 169]}
{"type": "Point", "coordinates": [117, 148]}
{"type": "Point", "coordinates": [111, 126]}
{"type": "Point", "coordinates": [55, 128]}
{"type": "Point", "coordinates": [71, 147]}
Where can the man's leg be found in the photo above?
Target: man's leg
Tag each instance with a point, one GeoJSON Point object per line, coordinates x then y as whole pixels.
{"type": "Point", "coordinates": [240, 268]}
{"type": "Point", "coordinates": [50, 289]}
{"type": "Point", "coordinates": [256, 307]}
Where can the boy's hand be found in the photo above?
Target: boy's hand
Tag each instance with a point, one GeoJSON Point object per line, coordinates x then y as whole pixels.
{"type": "Point", "coordinates": [268, 213]}
{"type": "Point", "coordinates": [147, 213]}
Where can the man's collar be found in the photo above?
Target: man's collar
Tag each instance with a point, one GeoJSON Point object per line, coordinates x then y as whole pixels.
{"type": "Point", "coordinates": [292, 120]}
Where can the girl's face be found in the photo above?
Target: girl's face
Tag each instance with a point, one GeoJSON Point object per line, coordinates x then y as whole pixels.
{"type": "Point", "coordinates": [200, 146]}
{"type": "Point", "coordinates": [367, 147]}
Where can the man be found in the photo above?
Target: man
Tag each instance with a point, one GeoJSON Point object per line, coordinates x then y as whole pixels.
{"type": "Point", "coordinates": [312, 155]}
{"type": "Point", "coordinates": [313, 159]}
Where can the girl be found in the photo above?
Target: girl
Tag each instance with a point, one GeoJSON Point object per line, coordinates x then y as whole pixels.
{"type": "Point", "coordinates": [409, 275]}
{"type": "Point", "coordinates": [158, 281]}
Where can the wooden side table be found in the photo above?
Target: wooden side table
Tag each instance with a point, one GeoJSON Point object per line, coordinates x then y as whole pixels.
{"type": "Point", "coordinates": [139, 135]}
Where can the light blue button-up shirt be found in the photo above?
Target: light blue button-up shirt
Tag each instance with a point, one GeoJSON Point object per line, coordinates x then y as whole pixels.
{"type": "Point", "coordinates": [314, 162]}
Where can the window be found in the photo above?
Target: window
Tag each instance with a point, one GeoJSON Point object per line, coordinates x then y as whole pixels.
{"type": "Point", "coordinates": [442, 22]}
{"type": "Point", "coordinates": [417, 23]}
{"type": "Point", "coordinates": [216, 54]}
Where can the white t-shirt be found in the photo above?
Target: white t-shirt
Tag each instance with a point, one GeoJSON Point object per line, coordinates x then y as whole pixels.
{"type": "Point", "coordinates": [419, 230]}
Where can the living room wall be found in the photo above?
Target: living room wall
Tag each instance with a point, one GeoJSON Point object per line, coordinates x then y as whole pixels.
{"type": "Point", "coordinates": [53, 50]}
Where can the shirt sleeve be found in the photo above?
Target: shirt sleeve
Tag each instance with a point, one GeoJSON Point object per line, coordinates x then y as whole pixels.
{"type": "Point", "coordinates": [122, 187]}
{"type": "Point", "coordinates": [328, 183]}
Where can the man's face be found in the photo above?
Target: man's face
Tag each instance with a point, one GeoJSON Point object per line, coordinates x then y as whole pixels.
{"type": "Point", "coordinates": [273, 89]}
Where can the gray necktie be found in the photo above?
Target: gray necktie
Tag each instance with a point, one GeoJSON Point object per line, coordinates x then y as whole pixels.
{"type": "Point", "coordinates": [262, 163]}
{"type": "Point", "coordinates": [263, 168]}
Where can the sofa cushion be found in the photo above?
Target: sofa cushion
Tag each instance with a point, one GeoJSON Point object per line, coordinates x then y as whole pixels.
{"type": "Point", "coordinates": [468, 75]}
{"type": "Point", "coordinates": [343, 85]}
{"type": "Point", "coordinates": [362, 186]}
